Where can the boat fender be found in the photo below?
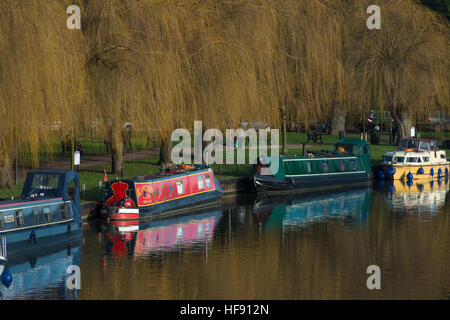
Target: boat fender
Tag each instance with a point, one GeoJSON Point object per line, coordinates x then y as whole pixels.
{"type": "Point", "coordinates": [439, 181]}
{"type": "Point", "coordinates": [432, 172]}
{"type": "Point", "coordinates": [409, 183]}
{"type": "Point", "coordinates": [381, 184]}
{"type": "Point", "coordinates": [391, 170]}
{"type": "Point", "coordinates": [390, 188]}
{"type": "Point", "coordinates": [431, 184]}
{"type": "Point", "coordinates": [440, 173]}
{"type": "Point", "coordinates": [6, 277]}
{"type": "Point", "coordinates": [446, 172]}
{"type": "Point", "coordinates": [409, 176]}
{"type": "Point", "coordinates": [420, 187]}
{"type": "Point", "coordinates": [381, 174]}
{"type": "Point", "coordinates": [421, 171]}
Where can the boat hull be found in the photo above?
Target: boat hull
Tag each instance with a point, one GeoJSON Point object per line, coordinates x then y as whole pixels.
{"type": "Point", "coordinates": [132, 214]}
{"type": "Point", "coordinates": [401, 171]}
{"type": "Point", "coordinates": [272, 185]}
{"type": "Point", "coordinates": [163, 195]}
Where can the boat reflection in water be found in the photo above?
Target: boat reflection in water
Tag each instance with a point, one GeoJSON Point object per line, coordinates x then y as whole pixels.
{"type": "Point", "coordinates": [40, 273]}
{"type": "Point", "coordinates": [350, 206]}
{"type": "Point", "coordinates": [138, 239]}
{"type": "Point", "coordinates": [416, 197]}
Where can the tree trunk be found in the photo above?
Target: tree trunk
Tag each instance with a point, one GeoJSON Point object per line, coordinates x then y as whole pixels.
{"type": "Point", "coordinates": [338, 120]}
{"type": "Point", "coordinates": [164, 152]}
{"type": "Point", "coordinates": [403, 123]}
{"type": "Point", "coordinates": [116, 155]}
{"type": "Point", "coordinates": [6, 170]}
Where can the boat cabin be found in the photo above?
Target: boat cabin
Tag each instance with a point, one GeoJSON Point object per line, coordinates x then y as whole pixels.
{"type": "Point", "coordinates": [50, 201]}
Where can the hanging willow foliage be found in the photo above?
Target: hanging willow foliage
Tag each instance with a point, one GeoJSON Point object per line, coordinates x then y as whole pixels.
{"type": "Point", "coordinates": [404, 66]}
{"type": "Point", "coordinates": [162, 64]}
{"type": "Point", "coordinates": [42, 79]}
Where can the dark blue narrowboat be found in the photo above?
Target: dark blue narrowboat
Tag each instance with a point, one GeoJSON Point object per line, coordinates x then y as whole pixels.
{"type": "Point", "coordinates": [182, 188]}
{"type": "Point", "coordinates": [49, 206]}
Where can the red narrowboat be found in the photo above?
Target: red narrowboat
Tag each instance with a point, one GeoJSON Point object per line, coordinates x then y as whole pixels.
{"type": "Point", "coordinates": [180, 189]}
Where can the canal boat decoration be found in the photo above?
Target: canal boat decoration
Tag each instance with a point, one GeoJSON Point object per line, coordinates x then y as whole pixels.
{"type": "Point", "coordinates": [348, 163]}
{"type": "Point", "coordinates": [415, 159]}
{"type": "Point", "coordinates": [49, 206]}
{"type": "Point", "coordinates": [350, 206]}
{"type": "Point", "coordinates": [160, 235]}
{"type": "Point", "coordinates": [422, 197]}
{"type": "Point", "coordinates": [182, 188]}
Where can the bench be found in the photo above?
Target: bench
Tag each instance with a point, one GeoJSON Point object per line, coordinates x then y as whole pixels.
{"type": "Point", "coordinates": [314, 136]}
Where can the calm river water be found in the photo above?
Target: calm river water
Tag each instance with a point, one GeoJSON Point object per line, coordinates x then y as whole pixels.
{"type": "Point", "coordinates": [303, 247]}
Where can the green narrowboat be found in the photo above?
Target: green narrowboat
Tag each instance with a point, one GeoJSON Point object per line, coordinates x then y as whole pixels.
{"type": "Point", "coordinates": [347, 164]}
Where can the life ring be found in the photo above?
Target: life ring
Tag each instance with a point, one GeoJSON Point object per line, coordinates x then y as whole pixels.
{"type": "Point", "coordinates": [408, 149]}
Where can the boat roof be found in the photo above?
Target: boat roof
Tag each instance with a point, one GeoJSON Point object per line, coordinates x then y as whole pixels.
{"type": "Point", "coordinates": [358, 142]}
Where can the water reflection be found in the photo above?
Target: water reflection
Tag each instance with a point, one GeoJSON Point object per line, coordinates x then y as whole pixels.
{"type": "Point", "coordinates": [415, 197]}
{"type": "Point", "coordinates": [302, 210]}
{"type": "Point", "coordinates": [40, 273]}
{"type": "Point", "coordinates": [312, 246]}
{"type": "Point", "coordinates": [134, 239]}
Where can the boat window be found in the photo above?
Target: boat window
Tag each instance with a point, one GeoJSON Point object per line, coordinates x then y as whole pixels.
{"type": "Point", "coordinates": [433, 145]}
{"type": "Point", "coordinates": [408, 144]}
{"type": "Point", "coordinates": [47, 215]}
{"type": "Point", "coordinates": [324, 166]}
{"type": "Point", "coordinates": [180, 188]}
{"type": "Point", "coordinates": [63, 211]}
{"type": "Point", "coordinates": [442, 156]}
{"type": "Point", "coordinates": [308, 167]}
{"type": "Point", "coordinates": [36, 215]}
{"type": "Point", "coordinates": [411, 159]}
{"type": "Point", "coordinates": [208, 181]}
{"type": "Point", "coordinates": [352, 164]}
{"type": "Point", "coordinates": [387, 158]}
{"type": "Point", "coordinates": [346, 148]}
{"type": "Point", "coordinates": [419, 159]}
{"type": "Point", "coordinates": [43, 185]}
{"type": "Point", "coordinates": [201, 182]}
{"type": "Point", "coordinates": [424, 146]}
{"type": "Point", "coordinates": [19, 218]}
{"type": "Point", "coordinates": [342, 165]}
{"type": "Point", "coordinates": [426, 159]}
{"type": "Point", "coordinates": [400, 159]}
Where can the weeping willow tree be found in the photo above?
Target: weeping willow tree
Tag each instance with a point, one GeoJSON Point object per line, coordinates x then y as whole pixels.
{"type": "Point", "coordinates": [403, 68]}
{"type": "Point", "coordinates": [42, 83]}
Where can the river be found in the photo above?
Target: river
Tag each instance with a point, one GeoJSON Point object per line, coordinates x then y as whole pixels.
{"type": "Point", "coordinates": [313, 246]}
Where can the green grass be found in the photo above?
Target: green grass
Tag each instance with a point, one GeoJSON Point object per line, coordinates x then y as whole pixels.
{"type": "Point", "coordinates": [91, 176]}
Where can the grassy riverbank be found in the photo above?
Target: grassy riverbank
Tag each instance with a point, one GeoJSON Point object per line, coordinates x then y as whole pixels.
{"type": "Point", "coordinates": [91, 176]}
